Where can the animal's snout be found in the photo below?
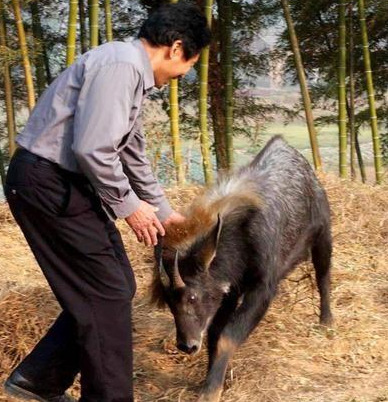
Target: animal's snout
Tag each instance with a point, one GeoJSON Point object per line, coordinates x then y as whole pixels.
{"type": "Point", "coordinates": [189, 347]}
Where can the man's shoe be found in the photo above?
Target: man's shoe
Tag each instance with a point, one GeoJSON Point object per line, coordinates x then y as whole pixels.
{"type": "Point", "coordinates": [19, 387]}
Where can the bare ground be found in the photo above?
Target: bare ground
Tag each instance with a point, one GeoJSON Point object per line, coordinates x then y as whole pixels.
{"type": "Point", "coordinates": [287, 358]}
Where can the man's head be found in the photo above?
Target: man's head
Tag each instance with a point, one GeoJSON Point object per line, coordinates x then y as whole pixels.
{"type": "Point", "coordinates": [174, 35]}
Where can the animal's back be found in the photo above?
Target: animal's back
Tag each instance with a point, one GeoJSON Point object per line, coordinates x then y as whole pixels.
{"type": "Point", "coordinates": [279, 184]}
{"type": "Point", "coordinates": [281, 170]}
{"type": "Point", "coordinates": [293, 201]}
{"type": "Point", "coordinates": [284, 178]}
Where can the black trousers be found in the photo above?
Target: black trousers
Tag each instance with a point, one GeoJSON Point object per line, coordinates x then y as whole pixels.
{"type": "Point", "coordinates": [82, 256]}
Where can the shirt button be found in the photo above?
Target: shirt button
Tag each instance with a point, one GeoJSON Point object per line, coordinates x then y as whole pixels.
{"type": "Point", "coordinates": [13, 191]}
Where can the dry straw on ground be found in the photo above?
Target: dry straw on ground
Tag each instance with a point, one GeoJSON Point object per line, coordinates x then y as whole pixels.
{"type": "Point", "coordinates": [287, 358]}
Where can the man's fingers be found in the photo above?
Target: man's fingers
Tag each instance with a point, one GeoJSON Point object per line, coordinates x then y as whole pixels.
{"type": "Point", "coordinates": [139, 236]}
{"type": "Point", "coordinates": [146, 237]}
{"type": "Point", "coordinates": [154, 236]}
{"type": "Point", "coordinates": [159, 227]}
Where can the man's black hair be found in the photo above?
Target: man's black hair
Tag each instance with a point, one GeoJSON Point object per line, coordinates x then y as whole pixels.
{"type": "Point", "coordinates": [178, 21]}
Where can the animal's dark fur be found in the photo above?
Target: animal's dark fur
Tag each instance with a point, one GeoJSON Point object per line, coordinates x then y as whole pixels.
{"type": "Point", "coordinates": [240, 239]}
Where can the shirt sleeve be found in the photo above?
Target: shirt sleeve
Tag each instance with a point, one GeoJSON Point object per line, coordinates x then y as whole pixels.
{"type": "Point", "coordinates": [138, 169]}
{"type": "Point", "coordinates": [101, 121]}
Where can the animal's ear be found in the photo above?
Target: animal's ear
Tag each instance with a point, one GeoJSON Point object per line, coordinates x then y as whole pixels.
{"type": "Point", "coordinates": [209, 249]}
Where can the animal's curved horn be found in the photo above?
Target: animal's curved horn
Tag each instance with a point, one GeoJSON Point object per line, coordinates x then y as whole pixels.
{"type": "Point", "coordinates": [177, 281]}
{"type": "Point", "coordinates": [159, 260]}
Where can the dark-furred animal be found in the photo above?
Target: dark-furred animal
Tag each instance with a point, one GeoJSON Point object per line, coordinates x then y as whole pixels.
{"type": "Point", "coordinates": [219, 270]}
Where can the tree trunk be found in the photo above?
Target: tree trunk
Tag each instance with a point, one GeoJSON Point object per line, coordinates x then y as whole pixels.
{"type": "Point", "coordinates": [227, 66]}
{"type": "Point", "coordinates": [359, 156]}
{"type": "Point", "coordinates": [7, 84]}
{"type": "Point", "coordinates": [174, 127]}
{"type": "Point", "coordinates": [378, 160]}
{"type": "Point", "coordinates": [203, 104]}
{"type": "Point", "coordinates": [71, 32]}
{"type": "Point", "coordinates": [108, 21]}
{"type": "Point", "coordinates": [37, 33]}
{"type": "Point", "coordinates": [217, 102]}
{"type": "Point", "coordinates": [82, 25]}
{"type": "Point", "coordinates": [303, 86]}
{"type": "Point", "coordinates": [24, 52]}
{"type": "Point", "coordinates": [2, 170]}
{"type": "Point", "coordinates": [342, 89]}
{"type": "Point", "coordinates": [93, 22]}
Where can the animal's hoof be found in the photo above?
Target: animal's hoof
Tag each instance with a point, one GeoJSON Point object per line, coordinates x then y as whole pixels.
{"type": "Point", "coordinates": [214, 396]}
{"type": "Point", "coordinates": [326, 321]}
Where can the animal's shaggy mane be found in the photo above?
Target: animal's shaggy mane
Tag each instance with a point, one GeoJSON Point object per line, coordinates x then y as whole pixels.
{"type": "Point", "coordinates": [229, 198]}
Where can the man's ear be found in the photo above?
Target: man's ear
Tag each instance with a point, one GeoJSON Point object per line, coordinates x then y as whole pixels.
{"type": "Point", "coordinates": [176, 49]}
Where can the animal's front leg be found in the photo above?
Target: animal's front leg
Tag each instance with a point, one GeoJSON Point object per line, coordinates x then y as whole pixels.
{"type": "Point", "coordinates": [241, 323]}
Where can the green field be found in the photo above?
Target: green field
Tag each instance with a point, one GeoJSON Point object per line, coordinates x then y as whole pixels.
{"type": "Point", "coordinates": [296, 134]}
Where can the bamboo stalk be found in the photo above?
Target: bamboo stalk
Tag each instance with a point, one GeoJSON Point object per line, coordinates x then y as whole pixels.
{"type": "Point", "coordinates": [24, 52]}
{"type": "Point", "coordinates": [108, 21]}
{"type": "Point", "coordinates": [378, 159]}
{"type": "Point", "coordinates": [203, 103]}
{"type": "Point", "coordinates": [174, 127]}
{"type": "Point", "coordinates": [82, 25]}
{"type": "Point", "coordinates": [71, 32]}
{"type": "Point", "coordinates": [342, 90]}
{"type": "Point", "coordinates": [352, 91]}
{"type": "Point", "coordinates": [93, 16]}
{"type": "Point", "coordinates": [39, 48]}
{"type": "Point", "coordinates": [303, 86]}
{"type": "Point", "coordinates": [7, 85]}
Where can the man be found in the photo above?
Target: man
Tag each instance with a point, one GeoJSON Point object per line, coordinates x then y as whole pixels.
{"type": "Point", "coordinates": [82, 163]}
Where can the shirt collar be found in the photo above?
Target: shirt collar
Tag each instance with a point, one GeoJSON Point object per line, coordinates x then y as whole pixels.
{"type": "Point", "coordinates": [149, 81]}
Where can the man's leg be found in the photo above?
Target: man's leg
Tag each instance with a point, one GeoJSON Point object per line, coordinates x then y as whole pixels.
{"type": "Point", "coordinates": [70, 237]}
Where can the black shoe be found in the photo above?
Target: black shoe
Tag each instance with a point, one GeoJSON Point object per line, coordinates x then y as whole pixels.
{"type": "Point", "coordinates": [19, 387]}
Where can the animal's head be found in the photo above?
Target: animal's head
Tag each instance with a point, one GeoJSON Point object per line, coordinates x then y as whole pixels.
{"type": "Point", "coordinates": [185, 283]}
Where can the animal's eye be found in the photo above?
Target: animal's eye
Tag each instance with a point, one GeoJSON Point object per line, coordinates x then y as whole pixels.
{"type": "Point", "coordinates": [192, 298]}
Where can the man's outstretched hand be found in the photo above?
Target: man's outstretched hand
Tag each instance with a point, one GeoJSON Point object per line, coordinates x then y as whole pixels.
{"type": "Point", "coordinates": [145, 224]}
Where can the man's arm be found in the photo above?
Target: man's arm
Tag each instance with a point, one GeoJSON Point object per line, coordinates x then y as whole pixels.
{"type": "Point", "coordinates": [138, 169]}
{"type": "Point", "coordinates": [100, 123]}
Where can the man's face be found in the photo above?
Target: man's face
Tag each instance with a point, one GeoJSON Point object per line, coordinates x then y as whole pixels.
{"type": "Point", "coordinates": [174, 65]}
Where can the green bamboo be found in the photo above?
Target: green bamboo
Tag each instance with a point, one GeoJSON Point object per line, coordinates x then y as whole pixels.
{"type": "Point", "coordinates": [82, 26]}
{"type": "Point", "coordinates": [24, 52]}
{"type": "Point", "coordinates": [342, 89]}
{"type": "Point", "coordinates": [7, 85]}
{"type": "Point", "coordinates": [378, 159]}
{"type": "Point", "coordinates": [93, 16]}
{"type": "Point", "coordinates": [303, 85]}
{"type": "Point", "coordinates": [203, 103]}
{"type": "Point", "coordinates": [174, 127]}
{"type": "Point", "coordinates": [228, 74]}
{"type": "Point", "coordinates": [71, 32]}
{"type": "Point", "coordinates": [352, 96]}
{"type": "Point", "coordinates": [108, 21]}
{"type": "Point", "coordinates": [39, 47]}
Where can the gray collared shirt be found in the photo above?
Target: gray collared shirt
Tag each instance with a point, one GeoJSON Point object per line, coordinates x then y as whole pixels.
{"type": "Point", "coordinates": [87, 121]}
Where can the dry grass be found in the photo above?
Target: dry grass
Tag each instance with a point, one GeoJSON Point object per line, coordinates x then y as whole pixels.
{"type": "Point", "coordinates": [287, 358]}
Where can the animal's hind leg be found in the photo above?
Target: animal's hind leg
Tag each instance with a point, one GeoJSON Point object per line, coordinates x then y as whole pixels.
{"type": "Point", "coordinates": [321, 255]}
